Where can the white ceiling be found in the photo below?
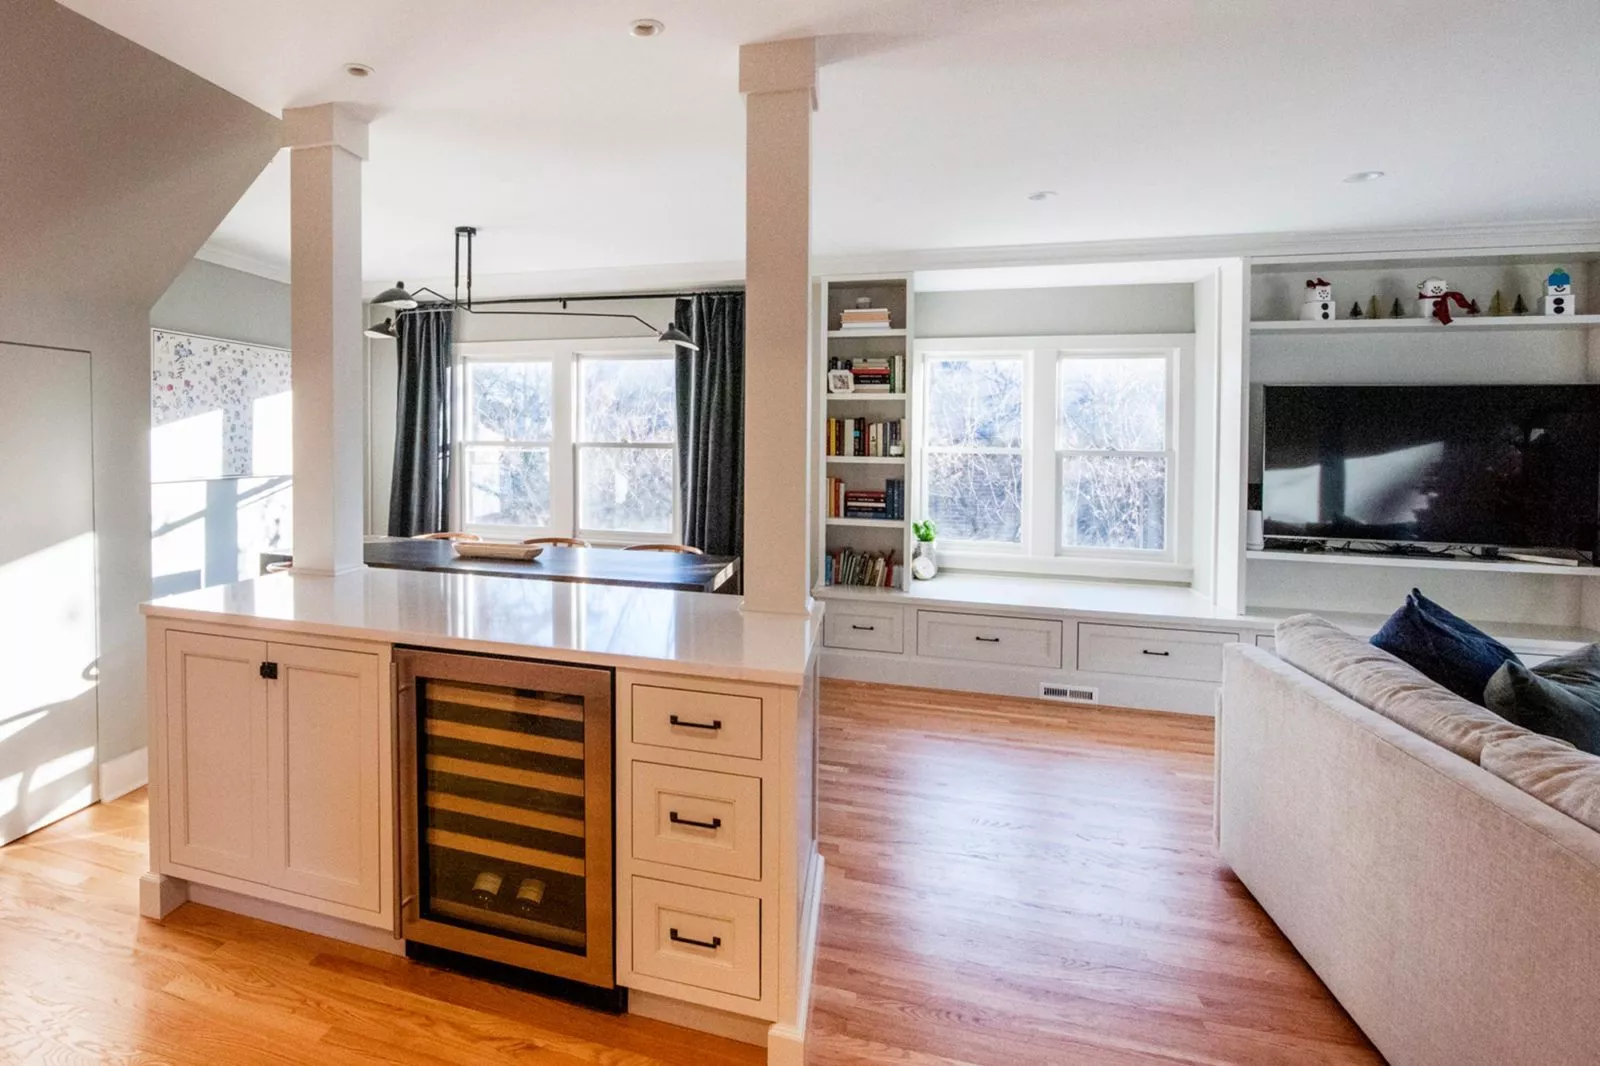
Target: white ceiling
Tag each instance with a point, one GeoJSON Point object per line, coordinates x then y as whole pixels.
{"type": "Point", "coordinates": [575, 147]}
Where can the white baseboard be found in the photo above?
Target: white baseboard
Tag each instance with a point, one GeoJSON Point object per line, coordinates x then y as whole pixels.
{"type": "Point", "coordinates": [786, 1041]}
{"type": "Point", "coordinates": [694, 1016]}
{"type": "Point", "coordinates": [280, 914]}
{"type": "Point", "coordinates": [122, 775]}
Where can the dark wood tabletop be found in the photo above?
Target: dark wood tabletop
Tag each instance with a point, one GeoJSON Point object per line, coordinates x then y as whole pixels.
{"type": "Point", "coordinates": [597, 566]}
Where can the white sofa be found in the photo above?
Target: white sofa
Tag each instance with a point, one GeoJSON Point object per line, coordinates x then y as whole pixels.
{"type": "Point", "coordinates": [1455, 916]}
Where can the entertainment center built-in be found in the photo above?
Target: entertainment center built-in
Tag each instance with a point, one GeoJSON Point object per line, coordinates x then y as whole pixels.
{"type": "Point", "coordinates": [1385, 449]}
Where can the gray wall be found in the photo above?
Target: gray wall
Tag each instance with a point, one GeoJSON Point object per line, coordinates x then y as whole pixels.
{"type": "Point", "coordinates": [217, 301]}
{"type": "Point", "coordinates": [117, 166]}
{"type": "Point", "coordinates": [1045, 312]}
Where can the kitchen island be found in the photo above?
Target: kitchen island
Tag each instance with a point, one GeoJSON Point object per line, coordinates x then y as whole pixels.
{"type": "Point", "coordinates": [277, 788]}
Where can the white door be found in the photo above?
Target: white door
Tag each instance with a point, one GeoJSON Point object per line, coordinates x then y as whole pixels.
{"type": "Point", "coordinates": [324, 774]}
{"type": "Point", "coordinates": [48, 633]}
{"type": "Point", "coordinates": [218, 814]}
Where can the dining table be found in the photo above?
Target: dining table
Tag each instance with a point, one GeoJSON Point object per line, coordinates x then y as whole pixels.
{"type": "Point", "coordinates": [595, 566]}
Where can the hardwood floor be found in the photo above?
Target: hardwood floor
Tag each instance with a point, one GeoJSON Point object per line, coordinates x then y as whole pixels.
{"type": "Point", "coordinates": [1035, 884]}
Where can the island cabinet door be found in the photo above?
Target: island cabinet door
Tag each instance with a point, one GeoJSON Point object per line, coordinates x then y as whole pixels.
{"type": "Point", "coordinates": [323, 765]}
{"type": "Point", "coordinates": [216, 740]}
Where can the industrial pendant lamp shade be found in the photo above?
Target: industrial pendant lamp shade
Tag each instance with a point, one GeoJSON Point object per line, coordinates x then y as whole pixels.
{"type": "Point", "coordinates": [383, 332]}
{"type": "Point", "coordinates": [674, 335]}
{"type": "Point", "coordinates": [397, 298]}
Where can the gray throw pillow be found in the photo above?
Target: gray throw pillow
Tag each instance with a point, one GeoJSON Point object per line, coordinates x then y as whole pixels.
{"type": "Point", "coordinates": [1559, 698]}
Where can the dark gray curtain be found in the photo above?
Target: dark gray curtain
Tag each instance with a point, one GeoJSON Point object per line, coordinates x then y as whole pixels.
{"type": "Point", "coordinates": [419, 492]}
{"type": "Point", "coordinates": [711, 422]}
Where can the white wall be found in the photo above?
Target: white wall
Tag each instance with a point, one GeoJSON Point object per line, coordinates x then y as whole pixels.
{"type": "Point", "coordinates": [217, 301]}
{"type": "Point", "coordinates": [382, 377]}
{"type": "Point", "coordinates": [1046, 312]}
{"type": "Point", "coordinates": [117, 166]}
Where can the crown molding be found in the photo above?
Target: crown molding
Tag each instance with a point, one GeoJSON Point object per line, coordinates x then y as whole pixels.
{"type": "Point", "coordinates": [260, 266]}
{"type": "Point", "coordinates": [1487, 238]}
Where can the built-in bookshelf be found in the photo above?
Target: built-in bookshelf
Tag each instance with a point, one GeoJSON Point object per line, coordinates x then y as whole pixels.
{"type": "Point", "coordinates": [864, 432]}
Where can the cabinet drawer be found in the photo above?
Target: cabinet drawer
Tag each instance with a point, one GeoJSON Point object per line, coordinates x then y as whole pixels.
{"type": "Point", "coordinates": [1266, 642]}
{"type": "Point", "coordinates": [864, 628]}
{"type": "Point", "coordinates": [697, 937]}
{"type": "Point", "coordinates": [714, 722]}
{"type": "Point", "coordinates": [697, 819]}
{"type": "Point", "coordinates": [990, 639]}
{"type": "Point", "coordinates": [1187, 654]}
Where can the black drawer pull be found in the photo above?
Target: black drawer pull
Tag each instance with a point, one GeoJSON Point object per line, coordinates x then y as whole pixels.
{"type": "Point", "coordinates": [269, 671]}
{"type": "Point", "coordinates": [1147, 651]}
{"type": "Point", "coordinates": [715, 823]}
{"type": "Point", "coordinates": [716, 723]}
{"type": "Point", "coordinates": [988, 640]}
{"type": "Point", "coordinates": [714, 943]}
{"type": "Point", "coordinates": [864, 629]}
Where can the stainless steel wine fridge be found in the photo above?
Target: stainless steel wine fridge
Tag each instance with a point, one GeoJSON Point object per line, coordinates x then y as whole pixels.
{"type": "Point", "coordinates": [506, 814]}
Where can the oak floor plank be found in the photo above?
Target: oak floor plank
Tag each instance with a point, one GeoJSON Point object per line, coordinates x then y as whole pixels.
{"type": "Point", "coordinates": [1009, 883]}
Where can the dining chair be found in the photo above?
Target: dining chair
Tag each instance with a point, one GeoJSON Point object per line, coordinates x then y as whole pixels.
{"type": "Point", "coordinates": [561, 542]}
{"type": "Point", "coordinates": [681, 549]}
{"type": "Point", "coordinates": [446, 536]}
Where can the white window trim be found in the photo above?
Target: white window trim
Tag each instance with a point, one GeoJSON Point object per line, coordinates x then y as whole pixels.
{"type": "Point", "coordinates": [563, 355]}
{"type": "Point", "coordinates": [1040, 551]}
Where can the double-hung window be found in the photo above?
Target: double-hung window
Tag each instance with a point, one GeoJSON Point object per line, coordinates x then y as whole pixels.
{"type": "Point", "coordinates": [508, 444]}
{"type": "Point", "coordinates": [564, 438]}
{"type": "Point", "coordinates": [626, 449]}
{"type": "Point", "coordinates": [1054, 454]}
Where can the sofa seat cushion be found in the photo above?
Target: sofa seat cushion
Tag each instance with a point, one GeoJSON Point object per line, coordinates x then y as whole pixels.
{"type": "Point", "coordinates": [1451, 650]}
{"type": "Point", "coordinates": [1371, 676]}
{"type": "Point", "coordinates": [1551, 771]}
{"type": "Point", "coordinates": [1560, 697]}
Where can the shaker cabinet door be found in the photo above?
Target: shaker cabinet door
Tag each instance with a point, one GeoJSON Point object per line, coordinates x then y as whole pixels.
{"type": "Point", "coordinates": [216, 725]}
{"type": "Point", "coordinates": [323, 768]}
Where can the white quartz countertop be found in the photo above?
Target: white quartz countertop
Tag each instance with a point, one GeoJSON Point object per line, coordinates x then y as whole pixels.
{"type": "Point", "coordinates": [608, 625]}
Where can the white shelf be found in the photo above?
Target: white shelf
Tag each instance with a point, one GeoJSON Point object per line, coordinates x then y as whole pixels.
{"type": "Point", "coordinates": [867, 460]}
{"type": "Point", "coordinates": [836, 333]}
{"type": "Point", "coordinates": [881, 523]}
{"type": "Point", "coordinates": [865, 397]}
{"type": "Point", "coordinates": [1409, 562]}
{"type": "Point", "coordinates": [1419, 325]}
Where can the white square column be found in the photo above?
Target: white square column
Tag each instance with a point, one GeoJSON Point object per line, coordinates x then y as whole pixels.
{"type": "Point", "coordinates": [327, 144]}
{"type": "Point", "coordinates": [779, 82]}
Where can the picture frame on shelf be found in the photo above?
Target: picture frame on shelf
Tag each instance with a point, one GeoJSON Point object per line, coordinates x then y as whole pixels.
{"type": "Point", "coordinates": [841, 381]}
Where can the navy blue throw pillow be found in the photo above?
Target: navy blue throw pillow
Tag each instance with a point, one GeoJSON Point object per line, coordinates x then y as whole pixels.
{"type": "Point", "coordinates": [1444, 648]}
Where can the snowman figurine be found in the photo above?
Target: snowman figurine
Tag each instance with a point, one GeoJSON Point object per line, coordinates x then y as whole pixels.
{"type": "Point", "coordinates": [1434, 297]}
{"type": "Point", "coordinates": [1559, 299]}
{"type": "Point", "coordinates": [1318, 305]}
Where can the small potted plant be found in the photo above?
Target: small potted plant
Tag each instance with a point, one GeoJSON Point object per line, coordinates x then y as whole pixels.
{"type": "Point", "coordinates": [924, 564]}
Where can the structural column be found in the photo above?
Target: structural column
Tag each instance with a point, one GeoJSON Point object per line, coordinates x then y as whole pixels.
{"type": "Point", "coordinates": [327, 146]}
{"type": "Point", "coordinates": [779, 83]}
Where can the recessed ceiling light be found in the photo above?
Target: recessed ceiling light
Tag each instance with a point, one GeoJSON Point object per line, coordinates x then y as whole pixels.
{"type": "Point", "coordinates": [358, 70]}
{"type": "Point", "coordinates": [1363, 175]}
{"type": "Point", "coordinates": [646, 28]}
{"type": "Point", "coordinates": [1041, 195]}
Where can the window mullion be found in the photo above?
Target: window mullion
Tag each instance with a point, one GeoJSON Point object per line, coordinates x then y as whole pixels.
{"type": "Point", "coordinates": [563, 477]}
{"type": "Point", "coordinates": [1039, 494]}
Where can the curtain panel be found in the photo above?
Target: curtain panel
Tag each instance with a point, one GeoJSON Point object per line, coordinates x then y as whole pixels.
{"type": "Point", "coordinates": [419, 491]}
{"type": "Point", "coordinates": [710, 386]}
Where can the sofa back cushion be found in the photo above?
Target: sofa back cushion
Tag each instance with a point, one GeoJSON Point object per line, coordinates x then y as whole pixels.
{"type": "Point", "coordinates": [1450, 650]}
{"type": "Point", "coordinates": [1560, 697]}
{"type": "Point", "coordinates": [1551, 771]}
{"type": "Point", "coordinates": [1371, 676]}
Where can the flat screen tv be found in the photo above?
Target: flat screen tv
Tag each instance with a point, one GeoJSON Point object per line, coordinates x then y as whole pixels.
{"type": "Point", "coordinates": [1506, 466]}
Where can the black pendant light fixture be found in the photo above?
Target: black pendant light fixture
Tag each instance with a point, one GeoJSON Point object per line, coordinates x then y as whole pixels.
{"type": "Point", "coordinates": [397, 298]}
{"type": "Point", "coordinates": [403, 300]}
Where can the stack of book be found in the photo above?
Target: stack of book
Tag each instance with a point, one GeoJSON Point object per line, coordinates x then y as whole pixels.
{"type": "Point", "coordinates": [850, 567]}
{"type": "Point", "coordinates": [888, 504]}
{"type": "Point", "coordinates": [883, 373]}
{"type": "Point", "coordinates": [859, 437]}
{"type": "Point", "coordinates": [864, 318]}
